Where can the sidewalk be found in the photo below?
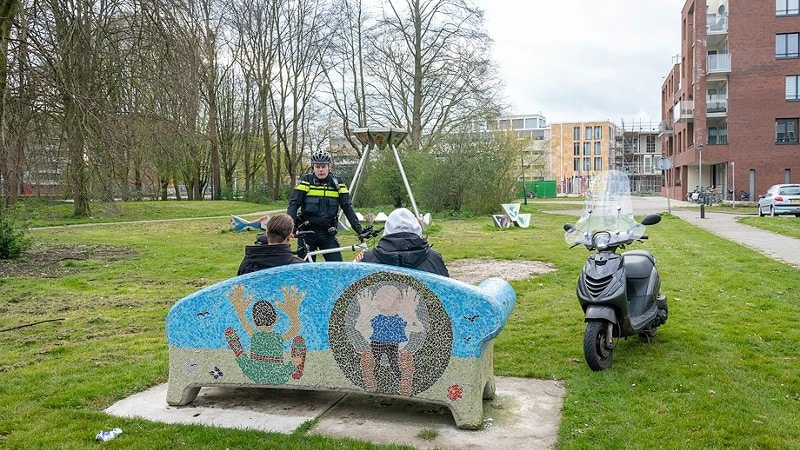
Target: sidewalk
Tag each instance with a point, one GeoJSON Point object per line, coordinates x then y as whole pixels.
{"type": "Point", "coordinates": [724, 224]}
{"type": "Point", "coordinates": [525, 414]}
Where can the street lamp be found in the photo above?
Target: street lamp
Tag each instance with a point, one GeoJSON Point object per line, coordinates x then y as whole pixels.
{"type": "Point", "coordinates": [700, 167]}
{"type": "Point", "coordinates": [700, 181]}
{"type": "Point", "coordinates": [733, 182]}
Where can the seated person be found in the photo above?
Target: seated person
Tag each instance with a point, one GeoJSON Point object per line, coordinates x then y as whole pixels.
{"type": "Point", "coordinates": [271, 249]}
{"type": "Point", "coordinates": [402, 245]}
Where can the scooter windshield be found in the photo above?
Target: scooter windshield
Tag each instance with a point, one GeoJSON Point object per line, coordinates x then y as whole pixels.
{"type": "Point", "coordinates": [608, 208]}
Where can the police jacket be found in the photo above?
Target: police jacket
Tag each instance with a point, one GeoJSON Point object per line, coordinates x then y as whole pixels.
{"type": "Point", "coordinates": [264, 256]}
{"type": "Point", "coordinates": [319, 202]}
{"type": "Point", "coordinates": [406, 250]}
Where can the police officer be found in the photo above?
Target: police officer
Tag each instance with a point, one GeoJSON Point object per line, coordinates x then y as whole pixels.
{"type": "Point", "coordinates": [318, 196]}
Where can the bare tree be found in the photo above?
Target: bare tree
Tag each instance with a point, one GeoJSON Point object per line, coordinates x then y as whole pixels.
{"type": "Point", "coordinates": [230, 123]}
{"type": "Point", "coordinates": [345, 73]}
{"type": "Point", "coordinates": [435, 74]}
{"type": "Point", "coordinates": [211, 23]}
{"type": "Point", "coordinates": [254, 24]}
{"type": "Point", "coordinates": [305, 37]}
{"type": "Point", "coordinates": [10, 156]}
{"type": "Point", "coordinates": [66, 39]}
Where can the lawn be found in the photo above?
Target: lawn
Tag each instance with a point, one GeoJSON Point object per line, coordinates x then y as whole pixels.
{"type": "Point", "coordinates": [785, 225]}
{"type": "Point", "coordinates": [721, 373]}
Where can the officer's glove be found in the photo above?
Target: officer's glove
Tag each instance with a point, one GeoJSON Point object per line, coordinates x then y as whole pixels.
{"type": "Point", "coordinates": [364, 234]}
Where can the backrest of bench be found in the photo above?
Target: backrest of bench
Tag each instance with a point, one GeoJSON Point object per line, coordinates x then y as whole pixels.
{"type": "Point", "coordinates": [341, 301]}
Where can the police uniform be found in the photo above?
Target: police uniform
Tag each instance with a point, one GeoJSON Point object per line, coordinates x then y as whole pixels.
{"type": "Point", "coordinates": [319, 202]}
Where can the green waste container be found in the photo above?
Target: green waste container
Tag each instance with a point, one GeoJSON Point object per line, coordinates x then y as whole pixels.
{"type": "Point", "coordinates": [544, 188]}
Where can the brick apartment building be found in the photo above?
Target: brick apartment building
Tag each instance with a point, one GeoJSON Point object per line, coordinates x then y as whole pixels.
{"type": "Point", "coordinates": [731, 102]}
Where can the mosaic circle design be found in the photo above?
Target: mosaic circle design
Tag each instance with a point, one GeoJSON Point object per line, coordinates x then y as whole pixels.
{"type": "Point", "coordinates": [390, 334]}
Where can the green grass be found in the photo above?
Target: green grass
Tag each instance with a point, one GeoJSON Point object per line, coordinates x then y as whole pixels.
{"type": "Point", "coordinates": [722, 372]}
{"type": "Point", "coordinates": [784, 225]}
{"type": "Point", "coordinates": [42, 213]}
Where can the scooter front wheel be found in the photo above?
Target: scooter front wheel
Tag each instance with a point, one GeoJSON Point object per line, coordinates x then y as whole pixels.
{"type": "Point", "coordinates": [598, 345]}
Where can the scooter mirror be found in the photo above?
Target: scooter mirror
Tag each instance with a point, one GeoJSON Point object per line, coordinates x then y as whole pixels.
{"type": "Point", "coordinates": [568, 227]}
{"type": "Point", "coordinates": [651, 219]}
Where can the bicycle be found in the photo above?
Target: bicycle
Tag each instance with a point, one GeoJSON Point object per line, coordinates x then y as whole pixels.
{"type": "Point", "coordinates": [304, 250]}
{"type": "Point", "coordinates": [744, 196]}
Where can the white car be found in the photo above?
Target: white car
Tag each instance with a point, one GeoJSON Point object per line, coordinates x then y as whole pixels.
{"type": "Point", "coordinates": [780, 199]}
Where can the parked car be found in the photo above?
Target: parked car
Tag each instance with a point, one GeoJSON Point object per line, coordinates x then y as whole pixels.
{"type": "Point", "coordinates": [780, 199]}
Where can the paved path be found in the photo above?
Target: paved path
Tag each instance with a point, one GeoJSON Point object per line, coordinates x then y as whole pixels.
{"type": "Point", "coordinates": [724, 224]}
{"type": "Point", "coordinates": [776, 246]}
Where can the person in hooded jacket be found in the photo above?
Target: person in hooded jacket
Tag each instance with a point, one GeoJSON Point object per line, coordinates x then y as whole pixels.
{"type": "Point", "coordinates": [272, 248]}
{"type": "Point", "coordinates": [402, 245]}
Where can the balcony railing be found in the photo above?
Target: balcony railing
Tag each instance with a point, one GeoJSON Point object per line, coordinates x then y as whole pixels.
{"type": "Point", "coordinates": [719, 63]}
{"type": "Point", "coordinates": [684, 110]}
{"type": "Point", "coordinates": [716, 23]}
{"type": "Point", "coordinates": [716, 106]}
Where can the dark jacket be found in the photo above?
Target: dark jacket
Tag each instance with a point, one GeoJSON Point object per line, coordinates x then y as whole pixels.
{"type": "Point", "coordinates": [318, 202]}
{"type": "Point", "coordinates": [263, 256]}
{"type": "Point", "coordinates": [406, 250]}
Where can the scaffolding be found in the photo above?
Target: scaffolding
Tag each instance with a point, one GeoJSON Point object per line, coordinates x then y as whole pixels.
{"type": "Point", "coordinates": [635, 150]}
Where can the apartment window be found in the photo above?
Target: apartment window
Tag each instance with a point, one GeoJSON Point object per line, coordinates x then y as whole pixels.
{"type": "Point", "coordinates": [786, 45]}
{"type": "Point", "coordinates": [576, 149]}
{"type": "Point", "coordinates": [587, 148]}
{"type": "Point", "coordinates": [587, 134]}
{"type": "Point", "coordinates": [713, 135]}
{"type": "Point", "coordinates": [651, 143]}
{"type": "Point", "coordinates": [793, 87]}
{"type": "Point", "coordinates": [717, 135]}
{"type": "Point", "coordinates": [787, 7]}
{"type": "Point", "coordinates": [598, 132]}
{"type": "Point", "coordinates": [576, 165]}
{"type": "Point", "coordinates": [587, 164]}
{"type": "Point", "coordinates": [598, 164]}
{"type": "Point", "coordinates": [576, 134]}
{"type": "Point", "coordinates": [597, 150]}
{"type": "Point", "coordinates": [786, 131]}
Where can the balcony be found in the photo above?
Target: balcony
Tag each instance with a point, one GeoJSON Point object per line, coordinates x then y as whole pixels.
{"type": "Point", "coordinates": [716, 23]}
{"type": "Point", "coordinates": [683, 111]}
{"type": "Point", "coordinates": [719, 63]}
{"type": "Point", "coordinates": [716, 29]}
{"type": "Point", "coordinates": [717, 107]}
{"type": "Point", "coordinates": [665, 129]}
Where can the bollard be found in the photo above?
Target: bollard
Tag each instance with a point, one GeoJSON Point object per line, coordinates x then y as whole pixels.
{"type": "Point", "coordinates": [703, 210]}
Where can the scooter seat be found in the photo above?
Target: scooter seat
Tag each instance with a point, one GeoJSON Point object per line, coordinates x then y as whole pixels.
{"type": "Point", "coordinates": [638, 263]}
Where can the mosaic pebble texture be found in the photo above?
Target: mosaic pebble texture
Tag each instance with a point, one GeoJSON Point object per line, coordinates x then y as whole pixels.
{"type": "Point", "coordinates": [354, 327]}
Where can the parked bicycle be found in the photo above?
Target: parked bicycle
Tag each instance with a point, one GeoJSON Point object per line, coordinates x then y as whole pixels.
{"type": "Point", "coordinates": [704, 196]}
{"type": "Point", "coordinates": [744, 196]}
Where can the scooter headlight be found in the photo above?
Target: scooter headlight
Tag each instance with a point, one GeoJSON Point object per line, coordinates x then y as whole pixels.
{"type": "Point", "coordinates": [601, 240]}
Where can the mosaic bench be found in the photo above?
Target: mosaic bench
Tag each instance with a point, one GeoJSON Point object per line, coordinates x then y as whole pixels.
{"type": "Point", "coordinates": [348, 327]}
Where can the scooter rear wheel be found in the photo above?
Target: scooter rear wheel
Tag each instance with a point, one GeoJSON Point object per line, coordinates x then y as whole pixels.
{"type": "Point", "coordinates": [598, 345]}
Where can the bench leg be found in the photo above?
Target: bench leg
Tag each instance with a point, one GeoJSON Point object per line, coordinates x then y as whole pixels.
{"type": "Point", "coordinates": [180, 395]}
{"type": "Point", "coordinates": [468, 411]}
{"type": "Point", "coordinates": [488, 389]}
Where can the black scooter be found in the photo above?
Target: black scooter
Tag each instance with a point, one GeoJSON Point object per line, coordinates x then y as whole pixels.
{"type": "Point", "coordinates": [619, 292]}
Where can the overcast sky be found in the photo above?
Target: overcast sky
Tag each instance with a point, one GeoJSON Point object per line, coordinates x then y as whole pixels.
{"type": "Point", "coordinates": [584, 60]}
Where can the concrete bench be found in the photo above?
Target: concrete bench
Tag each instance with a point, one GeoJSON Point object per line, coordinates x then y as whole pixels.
{"type": "Point", "coordinates": [347, 327]}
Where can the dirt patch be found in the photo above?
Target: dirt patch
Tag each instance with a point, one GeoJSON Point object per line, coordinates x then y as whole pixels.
{"type": "Point", "coordinates": [475, 270]}
{"type": "Point", "coordinates": [54, 261]}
